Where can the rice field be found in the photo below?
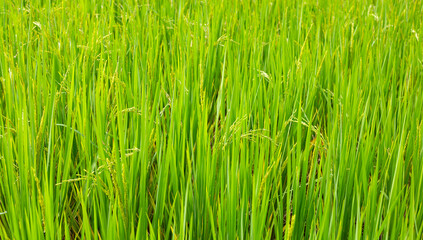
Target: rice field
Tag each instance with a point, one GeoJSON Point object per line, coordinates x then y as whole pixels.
{"type": "Point", "coordinates": [270, 119]}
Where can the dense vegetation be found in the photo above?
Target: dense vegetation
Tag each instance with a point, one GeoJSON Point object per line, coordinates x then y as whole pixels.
{"type": "Point", "coordinates": [211, 119]}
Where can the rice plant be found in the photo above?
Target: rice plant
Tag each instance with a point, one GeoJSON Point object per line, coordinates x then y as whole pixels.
{"type": "Point", "coordinates": [270, 119]}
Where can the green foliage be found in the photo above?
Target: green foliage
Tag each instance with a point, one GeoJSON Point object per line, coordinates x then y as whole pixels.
{"type": "Point", "coordinates": [211, 119]}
